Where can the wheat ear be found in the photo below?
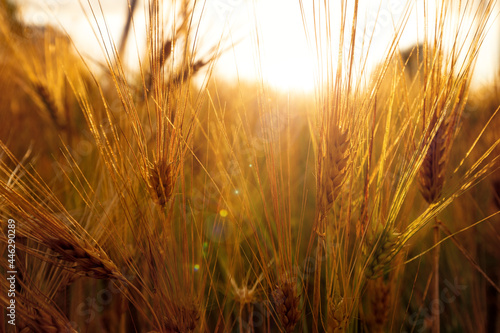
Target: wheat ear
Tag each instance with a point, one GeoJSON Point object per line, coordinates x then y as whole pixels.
{"type": "Point", "coordinates": [161, 181]}
{"type": "Point", "coordinates": [336, 158]}
{"type": "Point", "coordinates": [380, 249]}
{"type": "Point", "coordinates": [380, 294]}
{"type": "Point", "coordinates": [286, 304]}
{"type": "Point", "coordinates": [431, 181]}
{"type": "Point", "coordinates": [432, 171]}
{"type": "Point", "coordinates": [42, 320]}
{"type": "Point", "coordinates": [88, 260]}
{"type": "Point", "coordinates": [337, 316]}
{"type": "Point", "coordinates": [48, 102]}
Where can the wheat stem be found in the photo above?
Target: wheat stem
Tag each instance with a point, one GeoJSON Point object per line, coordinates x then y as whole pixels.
{"type": "Point", "coordinates": [436, 315]}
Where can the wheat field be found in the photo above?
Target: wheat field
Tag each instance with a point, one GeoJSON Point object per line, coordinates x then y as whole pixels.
{"type": "Point", "coordinates": [165, 199]}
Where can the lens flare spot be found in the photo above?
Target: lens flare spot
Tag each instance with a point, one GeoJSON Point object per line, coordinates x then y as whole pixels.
{"type": "Point", "coordinates": [205, 249]}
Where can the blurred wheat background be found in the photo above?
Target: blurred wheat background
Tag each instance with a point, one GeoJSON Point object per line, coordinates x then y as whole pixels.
{"type": "Point", "coordinates": [250, 166]}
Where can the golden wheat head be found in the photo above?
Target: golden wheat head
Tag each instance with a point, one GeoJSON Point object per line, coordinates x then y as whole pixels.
{"type": "Point", "coordinates": [336, 160]}
{"type": "Point", "coordinates": [337, 316]}
{"type": "Point", "coordinates": [161, 182]}
{"type": "Point", "coordinates": [380, 249]}
{"type": "Point", "coordinates": [432, 171]}
{"type": "Point", "coordinates": [286, 304]}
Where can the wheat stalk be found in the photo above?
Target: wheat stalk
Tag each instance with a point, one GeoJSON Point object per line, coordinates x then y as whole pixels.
{"type": "Point", "coordinates": [431, 179]}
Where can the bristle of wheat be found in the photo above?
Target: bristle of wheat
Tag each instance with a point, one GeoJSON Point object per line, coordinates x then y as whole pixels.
{"type": "Point", "coordinates": [286, 303]}
{"type": "Point", "coordinates": [161, 181]}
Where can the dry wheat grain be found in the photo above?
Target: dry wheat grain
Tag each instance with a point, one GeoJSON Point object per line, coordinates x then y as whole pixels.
{"type": "Point", "coordinates": [286, 304]}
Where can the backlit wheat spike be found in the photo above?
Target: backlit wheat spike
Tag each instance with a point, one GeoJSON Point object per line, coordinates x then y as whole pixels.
{"type": "Point", "coordinates": [380, 249]}
{"type": "Point", "coordinates": [336, 160]}
{"type": "Point", "coordinates": [431, 180]}
{"type": "Point", "coordinates": [88, 261]}
{"type": "Point", "coordinates": [161, 181]}
{"type": "Point", "coordinates": [433, 168]}
{"type": "Point", "coordinates": [187, 72]}
{"type": "Point", "coordinates": [380, 293]}
{"type": "Point", "coordinates": [286, 304]}
{"type": "Point", "coordinates": [337, 316]}
{"type": "Point", "coordinates": [49, 103]}
{"type": "Point", "coordinates": [165, 52]}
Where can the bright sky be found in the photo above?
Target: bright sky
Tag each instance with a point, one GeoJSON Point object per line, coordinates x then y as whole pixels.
{"type": "Point", "coordinates": [283, 57]}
